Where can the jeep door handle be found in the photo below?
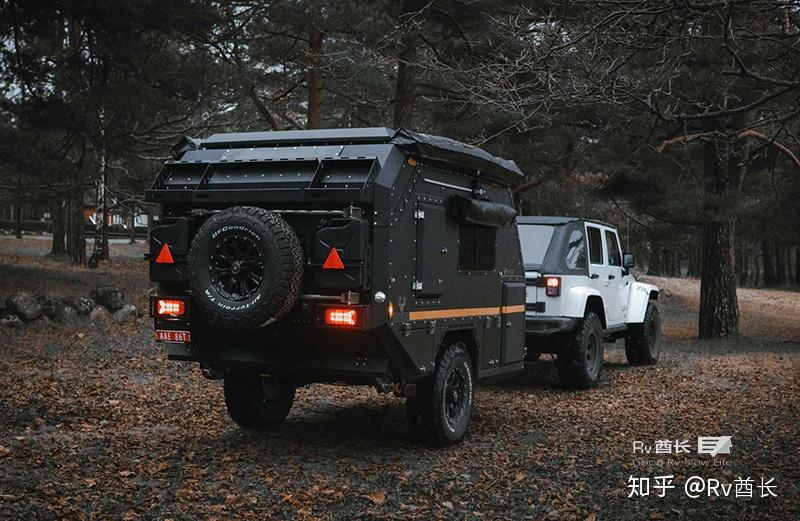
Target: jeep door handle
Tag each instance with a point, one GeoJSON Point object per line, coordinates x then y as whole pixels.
{"type": "Point", "coordinates": [594, 276]}
{"type": "Point", "coordinates": [611, 277]}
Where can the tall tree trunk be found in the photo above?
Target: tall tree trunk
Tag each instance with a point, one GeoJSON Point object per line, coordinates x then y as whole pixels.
{"type": "Point", "coordinates": [76, 240]}
{"type": "Point", "coordinates": [797, 266]}
{"type": "Point", "coordinates": [314, 115]}
{"type": "Point", "coordinates": [780, 267]}
{"type": "Point", "coordinates": [18, 220]}
{"type": "Point", "coordinates": [132, 239]}
{"type": "Point", "coordinates": [719, 307]}
{"type": "Point", "coordinates": [405, 89]}
{"type": "Point", "coordinates": [766, 260]}
{"type": "Point", "coordinates": [58, 247]}
{"type": "Point", "coordinates": [101, 226]}
{"type": "Point", "coordinates": [654, 262]}
{"type": "Point", "coordinates": [742, 266]}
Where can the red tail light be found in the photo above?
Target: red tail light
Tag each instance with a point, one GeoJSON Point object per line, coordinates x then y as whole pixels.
{"type": "Point", "coordinates": [341, 316]}
{"type": "Point", "coordinates": [552, 286]}
{"type": "Point", "coordinates": [170, 307]}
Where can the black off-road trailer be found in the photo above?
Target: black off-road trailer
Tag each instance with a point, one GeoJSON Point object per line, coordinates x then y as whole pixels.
{"type": "Point", "coordinates": [359, 256]}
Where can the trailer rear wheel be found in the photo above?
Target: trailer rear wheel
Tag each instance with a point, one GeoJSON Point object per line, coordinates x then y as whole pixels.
{"type": "Point", "coordinates": [641, 345]}
{"type": "Point", "coordinates": [580, 360]}
{"type": "Point", "coordinates": [255, 401]}
{"type": "Point", "coordinates": [442, 409]}
{"type": "Point", "coordinates": [246, 268]}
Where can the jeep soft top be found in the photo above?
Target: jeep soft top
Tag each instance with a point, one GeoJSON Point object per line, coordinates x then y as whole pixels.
{"type": "Point", "coordinates": [361, 256]}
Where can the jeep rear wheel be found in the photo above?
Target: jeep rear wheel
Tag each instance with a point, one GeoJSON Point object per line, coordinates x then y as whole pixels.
{"type": "Point", "coordinates": [246, 268]}
{"type": "Point", "coordinates": [442, 409]}
{"type": "Point", "coordinates": [580, 361]}
{"type": "Point", "coordinates": [642, 345]}
{"type": "Point", "coordinates": [255, 401]}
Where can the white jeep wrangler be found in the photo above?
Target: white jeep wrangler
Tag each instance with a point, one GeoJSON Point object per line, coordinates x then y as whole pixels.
{"type": "Point", "coordinates": [580, 293]}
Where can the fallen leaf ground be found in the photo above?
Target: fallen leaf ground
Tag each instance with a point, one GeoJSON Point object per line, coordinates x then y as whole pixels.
{"type": "Point", "coordinates": [95, 423]}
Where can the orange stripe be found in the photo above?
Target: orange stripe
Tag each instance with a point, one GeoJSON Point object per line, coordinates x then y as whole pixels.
{"type": "Point", "coordinates": [463, 312]}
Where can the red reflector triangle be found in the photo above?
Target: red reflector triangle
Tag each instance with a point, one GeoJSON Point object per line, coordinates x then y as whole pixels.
{"type": "Point", "coordinates": [333, 262]}
{"type": "Point", "coordinates": [165, 256]}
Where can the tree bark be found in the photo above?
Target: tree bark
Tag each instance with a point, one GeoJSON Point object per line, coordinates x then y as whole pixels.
{"type": "Point", "coordinates": [76, 241]}
{"type": "Point", "coordinates": [101, 226]}
{"type": "Point", "coordinates": [314, 115]}
{"type": "Point", "coordinates": [133, 226]}
{"type": "Point", "coordinates": [58, 247]}
{"type": "Point", "coordinates": [18, 220]}
{"type": "Point", "coordinates": [780, 267]}
{"type": "Point", "coordinates": [766, 260]}
{"type": "Point", "coordinates": [719, 307]}
{"type": "Point", "coordinates": [654, 263]}
{"type": "Point", "coordinates": [405, 88]}
{"type": "Point", "coordinates": [797, 265]}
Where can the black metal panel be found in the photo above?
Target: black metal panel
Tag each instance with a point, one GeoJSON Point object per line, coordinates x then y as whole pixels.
{"type": "Point", "coordinates": [260, 174]}
{"type": "Point", "coordinates": [174, 233]}
{"type": "Point", "coordinates": [349, 237]}
{"type": "Point", "coordinates": [433, 271]}
{"type": "Point", "coordinates": [513, 331]}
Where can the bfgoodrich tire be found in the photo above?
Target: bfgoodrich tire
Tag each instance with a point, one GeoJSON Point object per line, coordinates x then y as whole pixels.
{"type": "Point", "coordinates": [256, 402]}
{"type": "Point", "coordinates": [642, 346]}
{"type": "Point", "coordinates": [442, 409]}
{"type": "Point", "coordinates": [580, 361]}
{"type": "Point", "coordinates": [246, 268]}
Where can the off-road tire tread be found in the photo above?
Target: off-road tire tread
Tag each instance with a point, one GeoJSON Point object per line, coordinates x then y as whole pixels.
{"type": "Point", "coordinates": [571, 361]}
{"type": "Point", "coordinates": [424, 411]}
{"type": "Point", "coordinates": [637, 345]}
{"type": "Point", "coordinates": [288, 282]}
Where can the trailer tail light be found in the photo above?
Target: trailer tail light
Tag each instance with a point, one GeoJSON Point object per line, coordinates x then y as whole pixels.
{"type": "Point", "coordinates": [341, 317]}
{"type": "Point", "coordinates": [170, 307]}
{"type": "Point", "coordinates": [348, 317]}
{"type": "Point", "coordinates": [552, 286]}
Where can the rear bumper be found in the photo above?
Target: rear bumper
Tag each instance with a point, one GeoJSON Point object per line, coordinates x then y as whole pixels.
{"type": "Point", "coordinates": [538, 326]}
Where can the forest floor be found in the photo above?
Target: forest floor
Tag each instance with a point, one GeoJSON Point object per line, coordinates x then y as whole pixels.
{"type": "Point", "coordinates": [96, 423]}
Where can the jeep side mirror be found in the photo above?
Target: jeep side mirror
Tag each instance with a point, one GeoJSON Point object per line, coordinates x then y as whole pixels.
{"type": "Point", "coordinates": [628, 260]}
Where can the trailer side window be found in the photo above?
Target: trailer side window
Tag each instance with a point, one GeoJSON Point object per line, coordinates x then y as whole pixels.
{"type": "Point", "coordinates": [595, 245]}
{"type": "Point", "coordinates": [476, 247]}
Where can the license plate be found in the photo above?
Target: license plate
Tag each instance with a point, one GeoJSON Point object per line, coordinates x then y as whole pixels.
{"type": "Point", "coordinates": [172, 336]}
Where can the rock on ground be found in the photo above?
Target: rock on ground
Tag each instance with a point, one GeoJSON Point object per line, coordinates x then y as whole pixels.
{"type": "Point", "coordinates": [128, 312]}
{"type": "Point", "coordinates": [110, 298]}
{"type": "Point", "coordinates": [24, 306]}
{"type": "Point", "coordinates": [82, 305]}
{"type": "Point", "coordinates": [10, 321]}
{"type": "Point", "coordinates": [68, 315]}
{"type": "Point", "coordinates": [99, 315]}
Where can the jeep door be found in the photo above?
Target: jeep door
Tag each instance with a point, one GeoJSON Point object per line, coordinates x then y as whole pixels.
{"type": "Point", "coordinates": [602, 276]}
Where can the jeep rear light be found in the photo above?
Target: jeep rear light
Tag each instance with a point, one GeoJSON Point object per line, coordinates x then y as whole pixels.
{"type": "Point", "coordinates": [169, 307]}
{"type": "Point", "coordinates": [552, 286]}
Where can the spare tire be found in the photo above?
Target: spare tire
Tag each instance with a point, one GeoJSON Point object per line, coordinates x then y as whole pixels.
{"type": "Point", "coordinates": [246, 268]}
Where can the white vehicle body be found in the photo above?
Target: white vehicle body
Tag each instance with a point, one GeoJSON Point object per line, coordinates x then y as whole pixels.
{"type": "Point", "coordinates": [586, 258]}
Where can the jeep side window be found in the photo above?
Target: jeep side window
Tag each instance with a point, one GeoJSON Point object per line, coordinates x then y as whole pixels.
{"type": "Point", "coordinates": [576, 250]}
{"type": "Point", "coordinates": [476, 247]}
{"type": "Point", "coordinates": [595, 245]}
{"type": "Point", "coordinates": [614, 256]}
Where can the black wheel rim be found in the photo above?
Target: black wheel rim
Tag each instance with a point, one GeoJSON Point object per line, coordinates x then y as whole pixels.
{"type": "Point", "coordinates": [456, 396]}
{"type": "Point", "coordinates": [593, 354]}
{"type": "Point", "coordinates": [237, 267]}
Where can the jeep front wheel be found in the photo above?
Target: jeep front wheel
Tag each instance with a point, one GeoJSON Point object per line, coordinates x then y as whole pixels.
{"type": "Point", "coordinates": [255, 401]}
{"type": "Point", "coordinates": [580, 360]}
{"type": "Point", "coordinates": [442, 409]}
{"type": "Point", "coordinates": [642, 345]}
